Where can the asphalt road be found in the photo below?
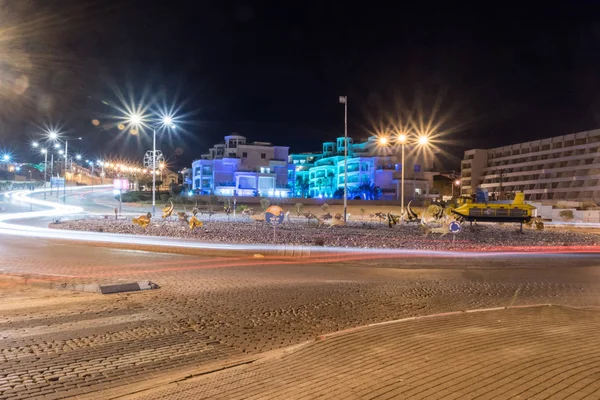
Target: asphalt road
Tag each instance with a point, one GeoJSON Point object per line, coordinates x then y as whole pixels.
{"type": "Point", "coordinates": [56, 342]}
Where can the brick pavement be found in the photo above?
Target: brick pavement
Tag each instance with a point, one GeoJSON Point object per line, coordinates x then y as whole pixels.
{"type": "Point", "coordinates": [55, 344]}
{"type": "Point", "coordinates": [536, 353]}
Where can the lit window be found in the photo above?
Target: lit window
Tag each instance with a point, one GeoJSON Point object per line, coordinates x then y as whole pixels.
{"type": "Point", "coordinates": [417, 168]}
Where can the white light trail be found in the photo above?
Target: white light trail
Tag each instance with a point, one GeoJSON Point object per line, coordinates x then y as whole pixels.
{"type": "Point", "coordinates": [57, 209]}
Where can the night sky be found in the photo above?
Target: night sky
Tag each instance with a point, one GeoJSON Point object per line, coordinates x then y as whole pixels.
{"type": "Point", "coordinates": [273, 71]}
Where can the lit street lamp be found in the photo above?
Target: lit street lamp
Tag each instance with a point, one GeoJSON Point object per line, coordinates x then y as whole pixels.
{"type": "Point", "coordinates": [166, 121]}
{"type": "Point", "coordinates": [457, 184]}
{"type": "Point", "coordinates": [344, 101]}
{"type": "Point", "coordinates": [403, 138]}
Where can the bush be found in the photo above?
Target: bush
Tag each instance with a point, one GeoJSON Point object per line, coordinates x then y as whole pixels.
{"type": "Point", "coordinates": [299, 207]}
{"type": "Point", "coordinates": [566, 215]}
{"type": "Point", "coordinates": [129, 197]}
{"type": "Point", "coordinates": [164, 197]}
{"type": "Point", "coordinates": [265, 203]}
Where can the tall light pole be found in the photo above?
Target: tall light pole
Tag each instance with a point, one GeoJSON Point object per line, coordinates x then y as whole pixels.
{"type": "Point", "coordinates": [457, 184]}
{"type": "Point", "coordinates": [91, 164]}
{"type": "Point", "coordinates": [101, 164]}
{"type": "Point", "coordinates": [165, 121]}
{"type": "Point", "coordinates": [45, 153]}
{"type": "Point", "coordinates": [344, 101]}
{"type": "Point", "coordinates": [402, 140]}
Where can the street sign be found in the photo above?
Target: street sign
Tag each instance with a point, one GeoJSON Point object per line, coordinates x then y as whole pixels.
{"type": "Point", "coordinates": [274, 215]}
{"type": "Point", "coordinates": [54, 181]}
{"type": "Point", "coordinates": [121, 184]}
{"type": "Point", "coordinates": [454, 227]}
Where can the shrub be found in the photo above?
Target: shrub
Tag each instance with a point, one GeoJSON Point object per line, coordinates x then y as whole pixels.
{"type": "Point", "coordinates": [566, 215]}
{"type": "Point", "coordinates": [164, 197]}
{"type": "Point", "coordinates": [129, 197]}
{"type": "Point", "coordinates": [299, 207]}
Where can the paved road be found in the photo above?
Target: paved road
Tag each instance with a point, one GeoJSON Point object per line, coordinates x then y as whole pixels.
{"type": "Point", "coordinates": [212, 309]}
{"type": "Point", "coordinates": [538, 353]}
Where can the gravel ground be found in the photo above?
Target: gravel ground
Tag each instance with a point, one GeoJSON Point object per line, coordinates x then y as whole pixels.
{"type": "Point", "coordinates": [355, 234]}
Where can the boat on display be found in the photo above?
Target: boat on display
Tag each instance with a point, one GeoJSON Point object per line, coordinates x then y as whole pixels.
{"type": "Point", "coordinates": [481, 210]}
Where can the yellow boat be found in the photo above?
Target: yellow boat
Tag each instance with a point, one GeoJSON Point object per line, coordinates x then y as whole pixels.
{"type": "Point", "coordinates": [517, 211]}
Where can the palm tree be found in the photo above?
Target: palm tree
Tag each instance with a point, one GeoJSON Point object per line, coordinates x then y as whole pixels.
{"type": "Point", "coordinates": [302, 183]}
{"type": "Point", "coordinates": [330, 180]}
{"type": "Point", "coordinates": [369, 190]}
{"type": "Point", "coordinates": [320, 183]}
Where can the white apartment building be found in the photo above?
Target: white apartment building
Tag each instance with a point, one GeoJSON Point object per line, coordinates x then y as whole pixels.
{"type": "Point", "coordinates": [367, 162]}
{"type": "Point", "coordinates": [243, 169]}
{"type": "Point", "coordinates": [559, 168]}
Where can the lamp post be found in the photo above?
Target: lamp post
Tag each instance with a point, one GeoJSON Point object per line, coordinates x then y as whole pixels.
{"type": "Point", "coordinates": [45, 153]}
{"type": "Point", "coordinates": [344, 101]}
{"type": "Point", "coordinates": [165, 121]}
{"type": "Point", "coordinates": [101, 164]}
{"type": "Point", "coordinates": [402, 139]}
{"type": "Point", "coordinates": [91, 164]}
{"type": "Point", "coordinates": [457, 184]}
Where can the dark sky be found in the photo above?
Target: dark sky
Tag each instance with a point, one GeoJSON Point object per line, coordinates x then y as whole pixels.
{"type": "Point", "coordinates": [273, 70]}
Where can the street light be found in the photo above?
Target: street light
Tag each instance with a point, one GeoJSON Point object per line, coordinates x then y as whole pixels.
{"type": "Point", "coordinates": [35, 145]}
{"type": "Point", "coordinates": [403, 138]}
{"type": "Point", "coordinates": [344, 100]}
{"type": "Point", "coordinates": [45, 153]}
{"type": "Point", "coordinates": [166, 121]}
{"type": "Point", "coordinates": [457, 184]}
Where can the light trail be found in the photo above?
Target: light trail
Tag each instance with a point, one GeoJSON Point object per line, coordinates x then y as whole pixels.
{"type": "Point", "coordinates": [321, 253]}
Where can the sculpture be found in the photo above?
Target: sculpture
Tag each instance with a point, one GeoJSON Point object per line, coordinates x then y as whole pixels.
{"type": "Point", "coordinates": [410, 215]}
{"type": "Point", "coordinates": [168, 210]}
{"type": "Point", "coordinates": [392, 219]}
{"type": "Point", "coordinates": [310, 216]}
{"type": "Point", "coordinates": [143, 220]}
{"type": "Point", "coordinates": [195, 223]}
{"type": "Point", "coordinates": [182, 216]}
{"type": "Point", "coordinates": [443, 229]}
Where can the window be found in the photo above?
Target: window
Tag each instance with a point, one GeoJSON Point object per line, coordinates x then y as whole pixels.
{"type": "Point", "coordinates": [244, 154]}
{"type": "Point", "coordinates": [417, 168]}
{"type": "Point", "coordinates": [263, 155]}
{"type": "Point", "coordinates": [231, 154]}
{"type": "Point", "coordinates": [265, 170]}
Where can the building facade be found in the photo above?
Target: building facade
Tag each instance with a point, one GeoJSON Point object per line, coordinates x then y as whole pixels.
{"type": "Point", "coordinates": [558, 168]}
{"type": "Point", "coordinates": [321, 174]}
{"type": "Point", "coordinates": [239, 168]}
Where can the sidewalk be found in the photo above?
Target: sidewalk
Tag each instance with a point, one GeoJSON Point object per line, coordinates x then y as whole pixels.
{"type": "Point", "coordinates": [541, 352]}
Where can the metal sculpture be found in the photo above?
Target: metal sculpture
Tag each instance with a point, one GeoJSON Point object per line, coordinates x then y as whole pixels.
{"type": "Point", "coordinates": [536, 223]}
{"type": "Point", "coordinates": [183, 216]}
{"type": "Point", "coordinates": [195, 223]}
{"type": "Point", "coordinates": [381, 216]}
{"type": "Point", "coordinates": [143, 220]}
{"type": "Point", "coordinates": [436, 211]}
{"type": "Point", "coordinates": [337, 220]}
{"type": "Point", "coordinates": [392, 219]}
{"type": "Point", "coordinates": [443, 229]}
{"type": "Point", "coordinates": [310, 217]}
{"type": "Point", "coordinates": [168, 210]}
{"type": "Point", "coordinates": [410, 215]}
